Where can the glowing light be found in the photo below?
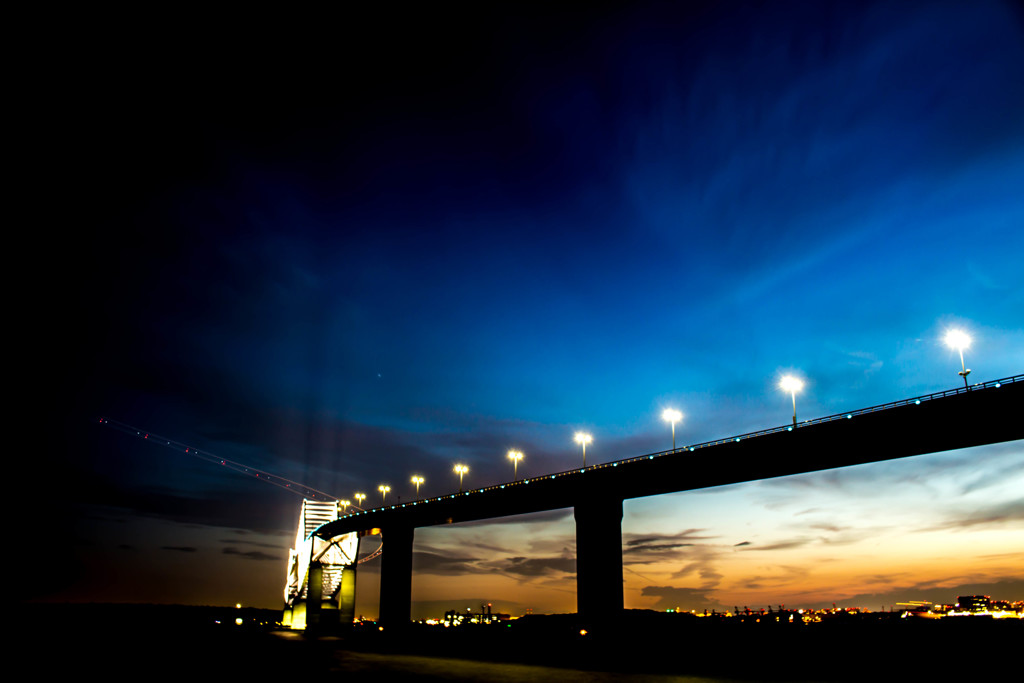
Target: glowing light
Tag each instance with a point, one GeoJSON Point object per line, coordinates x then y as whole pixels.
{"type": "Point", "coordinates": [461, 470]}
{"type": "Point", "coordinates": [515, 456]}
{"type": "Point", "coordinates": [959, 340]}
{"type": "Point", "coordinates": [583, 439]}
{"type": "Point", "coordinates": [791, 385]}
{"type": "Point", "coordinates": [417, 480]}
{"type": "Point", "coordinates": [672, 415]}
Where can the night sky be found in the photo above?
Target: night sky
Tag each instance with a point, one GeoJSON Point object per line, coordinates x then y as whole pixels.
{"type": "Point", "coordinates": [351, 248]}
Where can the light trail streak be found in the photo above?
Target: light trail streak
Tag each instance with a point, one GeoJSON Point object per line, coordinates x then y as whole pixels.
{"type": "Point", "coordinates": [281, 482]}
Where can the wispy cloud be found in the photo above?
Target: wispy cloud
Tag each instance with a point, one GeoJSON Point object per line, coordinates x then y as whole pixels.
{"type": "Point", "coordinates": [781, 545]}
{"type": "Point", "coordinates": [986, 517]}
{"type": "Point", "coordinates": [442, 563]}
{"type": "Point", "coordinates": [535, 566]}
{"type": "Point", "coordinates": [683, 599]}
{"type": "Point", "coordinates": [650, 548]}
{"type": "Point", "coordinates": [702, 561]}
{"type": "Point", "coordinates": [252, 554]}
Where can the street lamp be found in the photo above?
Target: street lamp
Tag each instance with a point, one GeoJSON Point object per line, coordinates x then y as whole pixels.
{"type": "Point", "coordinates": [959, 340]}
{"type": "Point", "coordinates": [417, 481]}
{"type": "Point", "coordinates": [516, 456]}
{"type": "Point", "coordinates": [461, 470]}
{"type": "Point", "coordinates": [344, 505]}
{"type": "Point", "coordinates": [383, 488]}
{"type": "Point", "coordinates": [583, 439]}
{"type": "Point", "coordinates": [360, 497]}
{"type": "Point", "coordinates": [792, 385]}
{"type": "Point", "coordinates": [672, 415]}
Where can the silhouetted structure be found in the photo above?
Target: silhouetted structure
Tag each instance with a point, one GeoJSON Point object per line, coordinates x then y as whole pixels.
{"type": "Point", "coordinates": [983, 414]}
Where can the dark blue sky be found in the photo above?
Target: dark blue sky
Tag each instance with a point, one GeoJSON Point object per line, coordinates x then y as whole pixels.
{"type": "Point", "coordinates": [350, 249]}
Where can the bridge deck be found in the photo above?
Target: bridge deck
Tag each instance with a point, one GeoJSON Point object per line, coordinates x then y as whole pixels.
{"type": "Point", "coordinates": [987, 413]}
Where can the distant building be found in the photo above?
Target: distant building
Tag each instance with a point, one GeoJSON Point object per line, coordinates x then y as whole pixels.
{"type": "Point", "coordinates": [973, 603]}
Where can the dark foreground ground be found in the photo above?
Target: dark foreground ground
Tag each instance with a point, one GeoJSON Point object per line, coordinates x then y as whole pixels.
{"type": "Point", "coordinates": [122, 642]}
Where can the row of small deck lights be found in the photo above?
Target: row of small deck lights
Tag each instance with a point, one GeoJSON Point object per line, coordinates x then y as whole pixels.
{"type": "Point", "coordinates": [792, 385]}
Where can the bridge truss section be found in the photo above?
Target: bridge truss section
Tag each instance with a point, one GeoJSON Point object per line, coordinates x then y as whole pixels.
{"type": "Point", "coordinates": [319, 586]}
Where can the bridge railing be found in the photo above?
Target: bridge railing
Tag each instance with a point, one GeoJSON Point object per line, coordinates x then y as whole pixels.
{"type": "Point", "coordinates": [917, 400]}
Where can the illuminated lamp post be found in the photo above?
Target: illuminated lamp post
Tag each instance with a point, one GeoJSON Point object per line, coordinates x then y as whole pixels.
{"type": "Point", "coordinates": [582, 438]}
{"type": "Point", "coordinates": [516, 456]}
{"type": "Point", "coordinates": [960, 340]}
{"type": "Point", "coordinates": [461, 470]}
{"type": "Point", "coordinates": [672, 415]}
{"type": "Point", "coordinates": [344, 505]}
{"type": "Point", "coordinates": [383, 488]}
{"type": "Point", "coordinates": [417, 481]}
{"type": "Point", "coordinates": [791, 385]}
{"type": "Point", "coordinates": [360, 497]}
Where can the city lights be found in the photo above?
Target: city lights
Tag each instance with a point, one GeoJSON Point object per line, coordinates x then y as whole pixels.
{"type": "Point", "coordinates": [360, 497]}
{"type": "Point", "coordinates": [383, 488]}
{"type": "Point", "coordinates": [417, 481]}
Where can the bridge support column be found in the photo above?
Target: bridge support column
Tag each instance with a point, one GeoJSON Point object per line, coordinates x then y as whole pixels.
{"type": "Point", "coordinates": [314, 594]}
{"type": "Point", "coordinates": [599, 559]}
{"type": "Point", "coordinates": [347, 596]}
{"type": "Point", "coordinates": [396, 576]}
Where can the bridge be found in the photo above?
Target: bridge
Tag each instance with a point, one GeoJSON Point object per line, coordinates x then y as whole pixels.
{"type": "Point", "coordinates": [992, 412]}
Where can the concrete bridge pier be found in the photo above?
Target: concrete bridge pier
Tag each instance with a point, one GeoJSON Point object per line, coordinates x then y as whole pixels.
{"type": "Point", "coordinates": [347, 595]}
{"type": "Point", "coordinates": [314, 595]}
{"type": "Point", "coordinates": [599, 559]}
{"type": "Point", "coordinates": [396, 576]}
